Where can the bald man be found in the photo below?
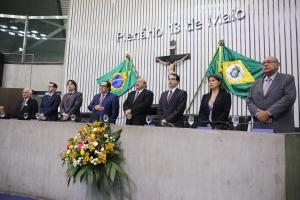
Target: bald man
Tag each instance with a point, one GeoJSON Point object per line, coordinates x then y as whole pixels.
{"type": "Point", "coordinates": [271, 99]}
{"type": "Point", "coordinates": [138, 104]}
{"type": "Point", "coordinates": [27, 105]}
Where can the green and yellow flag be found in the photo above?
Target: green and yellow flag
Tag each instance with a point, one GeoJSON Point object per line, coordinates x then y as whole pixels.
{"type": "Point", "coordinates": [122, 78]}
{"type": "Point", "coordinates": [237, 71]}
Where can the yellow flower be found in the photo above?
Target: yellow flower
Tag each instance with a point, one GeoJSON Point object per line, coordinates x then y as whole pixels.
{"type": "Point", "coordinates": [109, 146]}
{"type": "Point", "coordinates": [93, 136]}
{"type": "Point", "coordinates": [101, 158]}
{"type": "Point", "coordinates": [64, 155]}
{"type": "Point", "coordinates": [82, 152]}
{"type": "Point", "coordinates": [96, 124]}
{"type": "Point", "coordinates": [91, 147]}
{"type": "Point", "coordinates": [71, 147]}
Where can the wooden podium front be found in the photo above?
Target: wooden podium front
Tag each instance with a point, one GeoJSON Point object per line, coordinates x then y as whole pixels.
{"type": "Point", "coordinates": [162, 163]}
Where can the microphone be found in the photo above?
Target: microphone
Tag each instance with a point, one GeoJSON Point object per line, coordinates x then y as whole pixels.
{"type": "Point", "coordinates": [167, 124]}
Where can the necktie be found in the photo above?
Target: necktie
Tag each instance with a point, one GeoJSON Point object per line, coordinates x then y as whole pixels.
{"type": "Point", "coordinates": [169, 96]}
{"type": "Point", "coordinates": [101, 99]}
{"type": "Point", "coordinates": [23, 104]}
{"type": "Point", "coordinates": [267, 85]}
{"type": "Point", "coordinates": [49, 96]}
{"type": "Point", "coordinates": [69, 97]}
{"type": "Point", "coordinates": [136, 95]}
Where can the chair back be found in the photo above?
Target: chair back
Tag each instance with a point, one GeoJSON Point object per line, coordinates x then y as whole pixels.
{"type": "Point", "coordinates": [186, 121]}
{"type": "Point", "coordinates": [243, 122]}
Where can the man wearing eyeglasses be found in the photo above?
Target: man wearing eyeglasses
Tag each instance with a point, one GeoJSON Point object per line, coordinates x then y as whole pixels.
{"type": "Point", "coordinates": [49, 104]}
{"type": "Point", "coordinates": [271, 99]}
{"type": "Point", "coordinates": [104, 103]}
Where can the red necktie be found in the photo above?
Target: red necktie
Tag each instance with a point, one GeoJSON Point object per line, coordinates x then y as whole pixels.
{"type": "Point", "coordinates": [69, 97]}
{"type": "Point", "coordinates": [169, 96]}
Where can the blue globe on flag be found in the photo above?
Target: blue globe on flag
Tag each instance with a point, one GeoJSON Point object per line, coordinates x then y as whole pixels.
{"type": "Point", "coordinates": [117, 81]}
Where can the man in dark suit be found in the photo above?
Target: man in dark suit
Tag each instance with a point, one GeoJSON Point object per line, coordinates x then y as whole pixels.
{"type": "Point", "coordinates": [49, 104]}
{"type": "Point", "coordinates": [271, 99]}
{"type": "Point", "coordinates": [6, 115]}
{"type": "Point", "coordinates": [27, 105]}
{"type": "Point", "coordinates": [172, 103]}
{"type": "Point", "coordinates": [138, 104]}
{"type": "Point", "coordinates": [71, 102]}
{"type": "Point", "coordinates": [105, 103]}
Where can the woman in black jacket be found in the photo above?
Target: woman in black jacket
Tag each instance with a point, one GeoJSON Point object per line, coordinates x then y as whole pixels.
{"type": "Point", "coordinates": [215, 106]}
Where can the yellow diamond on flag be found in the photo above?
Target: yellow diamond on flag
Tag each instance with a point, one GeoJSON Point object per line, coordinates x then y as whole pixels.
{"type": "Point", "coordinates": [236, 72]}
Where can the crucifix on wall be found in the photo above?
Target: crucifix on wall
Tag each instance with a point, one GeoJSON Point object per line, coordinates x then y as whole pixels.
{"type": "Point", "coordinates": [172, 59]}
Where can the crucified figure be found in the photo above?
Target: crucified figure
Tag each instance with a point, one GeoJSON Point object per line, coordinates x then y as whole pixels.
{"type": "Point", "coordinates": [170, 65]}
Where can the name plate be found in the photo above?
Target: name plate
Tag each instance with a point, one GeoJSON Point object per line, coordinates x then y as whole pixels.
{"type": "Point", "coordinates": [204, 128]}
{"type": "Point", "coordinates": [261, 130]}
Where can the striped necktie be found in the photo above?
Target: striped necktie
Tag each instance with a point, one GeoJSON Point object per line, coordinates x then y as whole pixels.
{"type": "Point", "coordinates": [267, 85]}
{"type": "Point", "coordinates": [136, 95]}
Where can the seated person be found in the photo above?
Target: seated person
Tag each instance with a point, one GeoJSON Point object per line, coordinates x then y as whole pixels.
{"type": "Point", "coordinates": [6, 115]}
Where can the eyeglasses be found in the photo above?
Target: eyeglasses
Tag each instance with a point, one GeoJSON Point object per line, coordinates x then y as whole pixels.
{"type": "Point", "coordinates": [102, 85]}
{"type": "Point", "coordinates": [49, 86]}
{"type": "Point", "coordinates": [269, 62]}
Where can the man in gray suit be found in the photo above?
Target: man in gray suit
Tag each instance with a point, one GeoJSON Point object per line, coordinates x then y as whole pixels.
{"type": "Point", "coordinates": [271, 99]}
{"type": "Point", "coordinates": [172, 103]}
{"type": "Point", "coordinates": [71, 102]}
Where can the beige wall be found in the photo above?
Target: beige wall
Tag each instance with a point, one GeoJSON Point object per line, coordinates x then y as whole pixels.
{"type": "Point", "coordinates": [162, 163]}
{"type": "Point", "coordinates": [33, 76]}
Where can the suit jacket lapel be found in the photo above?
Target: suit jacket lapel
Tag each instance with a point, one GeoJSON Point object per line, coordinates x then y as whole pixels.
{"type": "Point", "coordinates": [261, 85]}
{"type": "Point", "coordinates": [47, 99]}
{"type": "Point", "coordinates": [172, 97]}
{"type": "Point", "coordinates": [274, 83]}
{"type": "Point", "coordinates": [138, 97]}
{"type": "Point", "coordinates": [217, 100]}
{"type": "Point", "coordinates": [71, 98]}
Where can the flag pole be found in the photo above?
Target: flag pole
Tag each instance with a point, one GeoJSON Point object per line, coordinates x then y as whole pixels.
{"type": "Point", "coordinates": [128, 57]}
{"type": "Point", "coordinates": [221, 42]}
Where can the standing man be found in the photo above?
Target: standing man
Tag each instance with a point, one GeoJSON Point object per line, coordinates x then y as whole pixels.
{"type": "Point", "coordinates": [172, 103]}
{"type": "Point", "coordinates": [27, 105]}
{"type": "Point", "coordinates": [271, 99]}
{"type": "Point", "coordinates": [105, 103]}
{"type": "Point", "coordinates": [71, 102]}
{"type": "Point", "coordinates": [138, 104]}
{"type": "Point", "coordinates": [49, 104]}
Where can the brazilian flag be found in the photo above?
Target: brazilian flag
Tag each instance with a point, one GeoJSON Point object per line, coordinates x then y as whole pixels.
{"type": "Point", "coordinates": [237, 71]}
{"type": "Point", "coordinates": [122, 78]}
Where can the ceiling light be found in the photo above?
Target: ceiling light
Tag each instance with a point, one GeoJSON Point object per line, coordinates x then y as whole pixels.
{"type": "Point", "coordinates": [33, 35]}
{"type": "Point", "coordinates": [43, 35]}
{"type": "Point", "coordinates": [13, 27]}
{"type": "Point", "coordinates": [11, 33]}
{"type": "Point", "coordinates": [34, 32]}
{"type": "Point", "coordinates": [3, 26]}
{"type": "Point", "coordinates": [37, 38]}
{"type": "Point", "coordinates": [4, 30]}
{"type": "Point", "coordinates": [20, 49]}
{"type": "Point", "coordinates": [20, 34]}
{"type": "Point", "coordinates": [44, 38]}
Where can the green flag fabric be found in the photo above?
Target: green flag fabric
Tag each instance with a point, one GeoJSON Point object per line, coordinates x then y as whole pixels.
{"type": "Point", "coordinates": [237, 71]}
{"type": "Point", "coordinates": [122, 78]}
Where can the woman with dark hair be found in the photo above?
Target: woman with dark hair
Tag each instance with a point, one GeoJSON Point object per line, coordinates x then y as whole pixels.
{"type": "Point", "coordinates": [215, 106]}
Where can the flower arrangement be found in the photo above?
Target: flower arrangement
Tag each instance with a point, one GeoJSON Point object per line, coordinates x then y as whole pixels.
{"type": "Point", "coordinates": [92, 153]}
